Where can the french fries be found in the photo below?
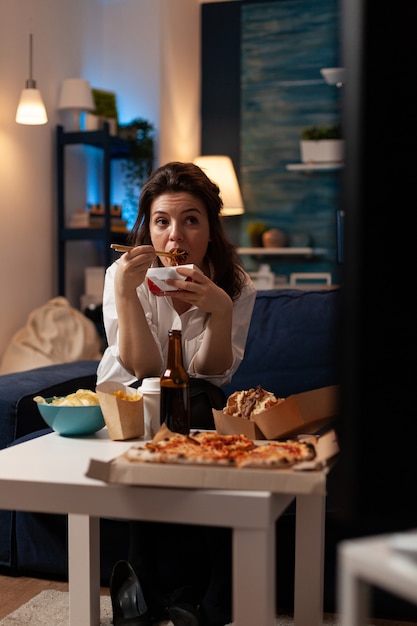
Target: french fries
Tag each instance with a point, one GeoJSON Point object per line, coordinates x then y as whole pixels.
{"type": "Point", "coordinates": [120, 393]}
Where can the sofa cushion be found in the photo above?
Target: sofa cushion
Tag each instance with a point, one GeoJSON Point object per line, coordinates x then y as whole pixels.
{"type": "Point", "coordinates": [292, 342]}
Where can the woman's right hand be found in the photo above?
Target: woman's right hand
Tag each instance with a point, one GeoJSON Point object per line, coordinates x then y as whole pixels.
{"type": "Point", "coordinates": [131, 269]}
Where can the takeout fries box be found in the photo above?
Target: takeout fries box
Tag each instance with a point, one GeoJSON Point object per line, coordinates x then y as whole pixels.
{"type": "Point", "coordinates": [124, 418]}
{"type": "Point", "coordinates": [305, 412]}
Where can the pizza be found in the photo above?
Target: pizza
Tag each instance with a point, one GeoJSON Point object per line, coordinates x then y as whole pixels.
{"type": "Point", "coordinates": [250, 402]}
{"type": "Point", "coordinates": [279, 454]}
{"type": "Point", "coordinates": [211, 448]}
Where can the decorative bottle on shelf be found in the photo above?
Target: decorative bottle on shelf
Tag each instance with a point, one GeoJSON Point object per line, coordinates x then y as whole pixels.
{"type": "Point", "coordinates": [175, 388]}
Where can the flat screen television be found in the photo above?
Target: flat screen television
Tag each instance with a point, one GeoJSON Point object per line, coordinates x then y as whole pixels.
{"type": "Point", "coordinates": [376, 476]}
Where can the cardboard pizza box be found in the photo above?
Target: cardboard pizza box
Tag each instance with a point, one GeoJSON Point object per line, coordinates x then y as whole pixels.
{"type": "Point", "coordinates": [124, 418]}
{"type": "Point", "coordinates": [300, 413]}
{"type": "Point", "coordinates": [308, 477]}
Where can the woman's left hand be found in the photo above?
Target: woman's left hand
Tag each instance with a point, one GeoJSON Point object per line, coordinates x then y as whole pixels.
{"type": "Point", "coordinates": [200, 291]}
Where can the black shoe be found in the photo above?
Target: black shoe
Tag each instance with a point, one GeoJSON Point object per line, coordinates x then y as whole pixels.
{"type": "Point", "coordinates": [183, 614]}
{"type": "Point", "coordinates": [182, 607]}
{"type": "Point", "coordinates": [128, 603]}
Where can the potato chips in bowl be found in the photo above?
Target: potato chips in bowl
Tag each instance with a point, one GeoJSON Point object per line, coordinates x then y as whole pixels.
{"type": "Point", "coordinates": [73, 415]}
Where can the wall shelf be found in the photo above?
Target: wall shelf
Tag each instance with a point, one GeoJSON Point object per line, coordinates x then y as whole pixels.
{"type": "Point", "coordinates": [314, 167]}
{"type": "Point", "coordinates": [263, 252]}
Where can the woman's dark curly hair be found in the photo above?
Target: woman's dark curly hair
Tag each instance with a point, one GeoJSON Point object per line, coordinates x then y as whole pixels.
{"type": "Point", "coordinates": [176, 177]}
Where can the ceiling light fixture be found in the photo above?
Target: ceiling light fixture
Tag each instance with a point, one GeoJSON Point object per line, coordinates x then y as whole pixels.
{"type": "Point", "coordinates": [31, 109]}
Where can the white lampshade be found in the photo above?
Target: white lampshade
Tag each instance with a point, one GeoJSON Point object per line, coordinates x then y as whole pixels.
{"type": "Point", "coordinates": [31, 109]}
{"type": "Point", "coordinates": [76, 96]}
{"type": "Point", "coordinates": [221, 171]}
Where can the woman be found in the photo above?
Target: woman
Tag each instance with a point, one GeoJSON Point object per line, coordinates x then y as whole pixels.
{"type": "Point", "coordinates": [179, 208]}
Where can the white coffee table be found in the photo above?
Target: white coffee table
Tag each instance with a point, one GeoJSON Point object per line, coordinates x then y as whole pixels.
{"type": "Point", "coordinates": [47, 475]}
{"type": "Point", "coordinates": [373, 562]}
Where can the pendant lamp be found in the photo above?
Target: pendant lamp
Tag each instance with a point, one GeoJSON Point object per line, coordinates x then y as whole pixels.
{"type": "Point", "coordinates": [31, 109]}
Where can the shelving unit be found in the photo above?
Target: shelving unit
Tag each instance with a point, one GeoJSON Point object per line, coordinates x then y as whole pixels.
{"type": "Point", "coordinates": [113, 148]}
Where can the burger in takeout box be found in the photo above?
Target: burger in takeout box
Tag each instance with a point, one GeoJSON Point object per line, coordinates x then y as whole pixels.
{"type": "Point", "coordinates": [259, 414]}
{"type": "Point", "coordinates": [122, 409]}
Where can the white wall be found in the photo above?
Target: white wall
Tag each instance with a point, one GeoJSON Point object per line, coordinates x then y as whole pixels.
{"type": "Point", "coordinates": [141, 49]}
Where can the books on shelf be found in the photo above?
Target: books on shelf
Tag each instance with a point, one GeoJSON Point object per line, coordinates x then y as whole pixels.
{"type": "Point", "coordinates": [95, 218]}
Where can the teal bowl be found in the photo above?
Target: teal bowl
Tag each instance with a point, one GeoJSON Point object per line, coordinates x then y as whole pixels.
{"type": "Point", "coordinates": [72, 421]}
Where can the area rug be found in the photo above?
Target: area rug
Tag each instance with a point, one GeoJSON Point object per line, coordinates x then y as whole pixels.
{"type": "Point", "coordinates": [51, 608]}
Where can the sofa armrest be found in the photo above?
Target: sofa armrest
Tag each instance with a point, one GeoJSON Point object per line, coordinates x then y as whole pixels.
{"type": "Point", "coordinates": [19, 414]}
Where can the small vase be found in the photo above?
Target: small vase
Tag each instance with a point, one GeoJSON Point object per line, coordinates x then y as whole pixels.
{"type": "Point", "coordinates": [274, 238]}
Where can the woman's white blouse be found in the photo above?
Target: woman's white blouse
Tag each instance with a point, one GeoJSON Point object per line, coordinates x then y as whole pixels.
{"type": "Point", "coordinates": [161, 317]}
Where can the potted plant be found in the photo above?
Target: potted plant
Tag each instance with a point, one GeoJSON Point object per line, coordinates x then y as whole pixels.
{"type": "Point", "coordinates": [255, 231]}
{"type": "Point", "coordinates": [105, 111]}
{"type": "Point", "coordinates": [139, 134]}
{"type": "Point", "coordinates": [322, 144]}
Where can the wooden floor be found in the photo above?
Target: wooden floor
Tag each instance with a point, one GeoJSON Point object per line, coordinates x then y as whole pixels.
{"type": "Point", "coordinates": [17, 590]}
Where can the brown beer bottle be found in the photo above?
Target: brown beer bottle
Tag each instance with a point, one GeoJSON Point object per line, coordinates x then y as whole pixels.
{"type": "Point", "coordinates": [175, 388]}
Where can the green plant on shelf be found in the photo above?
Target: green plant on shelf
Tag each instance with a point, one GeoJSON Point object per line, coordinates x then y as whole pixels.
{"type": "Point", "coordinates": [105, 104]}
{"type": "Point", "coordinates": [255, 231]}
{"type": "Point", "coordinates": [315, 133]}
{"type": "Point", "coordinates": [139, 134]}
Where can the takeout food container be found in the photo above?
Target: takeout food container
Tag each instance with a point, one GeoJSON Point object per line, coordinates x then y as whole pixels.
{"type": "Point", "coordinates": [156, 277]}
{"type": "Point", "coordinates": [124, 418]}
{"type": "Point", "coordinates": [300, 413]}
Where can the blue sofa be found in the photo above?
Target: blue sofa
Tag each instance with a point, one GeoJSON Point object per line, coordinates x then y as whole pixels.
{"type": "Point", "coordinates": [291, 347]}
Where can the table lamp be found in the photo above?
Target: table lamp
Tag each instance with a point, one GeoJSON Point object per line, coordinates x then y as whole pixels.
{"type": "Point", "coordinates": [76, 96]}
{"type": "Point", "coordinates": [221, 171]}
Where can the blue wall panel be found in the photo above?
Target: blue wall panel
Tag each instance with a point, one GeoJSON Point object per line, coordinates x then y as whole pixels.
{"type": "Point", "coordinates": [284, 44]}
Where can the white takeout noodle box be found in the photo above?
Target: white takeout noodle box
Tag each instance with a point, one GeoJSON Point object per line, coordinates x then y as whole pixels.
{"type": "Point", "coordinates": [156, 277]}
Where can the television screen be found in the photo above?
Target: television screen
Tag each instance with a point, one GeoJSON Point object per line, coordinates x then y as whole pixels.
{"type": "Point", "coordinates": [377, 472]}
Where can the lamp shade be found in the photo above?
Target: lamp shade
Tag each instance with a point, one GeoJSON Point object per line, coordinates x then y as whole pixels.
{"type": "Point", "coordinates": [76, 95]}
{"type": "Point", "coordinates": [31, 109]}
{"type": "Point", "coordinates": [221, 171]}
